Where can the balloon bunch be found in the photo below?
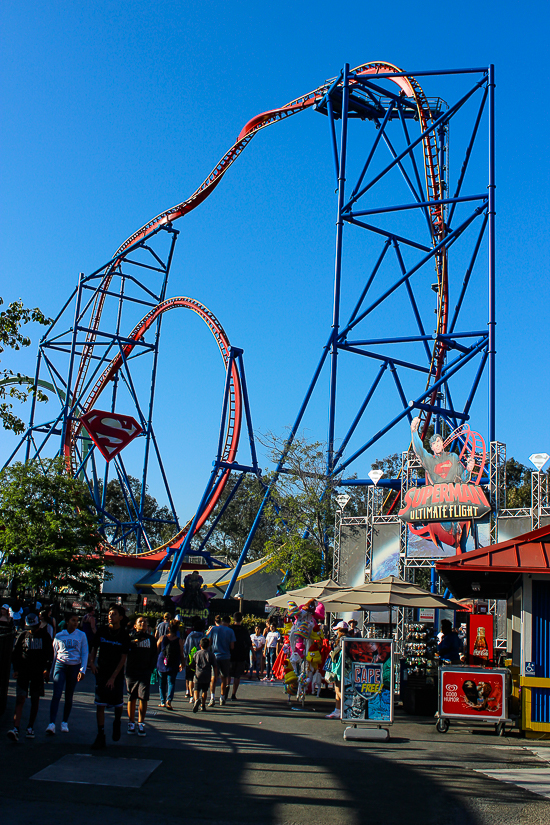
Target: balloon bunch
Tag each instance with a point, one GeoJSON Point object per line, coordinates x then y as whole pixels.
{"type": "Point", "coordinates": [303, 629]}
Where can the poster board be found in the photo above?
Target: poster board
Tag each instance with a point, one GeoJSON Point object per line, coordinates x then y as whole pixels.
{"type": "Point", "coordinates": [473, 693]}
{"type": "Point", "coordinates": [367, 681]}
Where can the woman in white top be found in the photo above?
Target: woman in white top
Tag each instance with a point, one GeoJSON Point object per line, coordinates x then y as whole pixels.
{"type": "Point", "coordinates": [70, 652]}
{"type": "Point", "coordinates": [271, 641]}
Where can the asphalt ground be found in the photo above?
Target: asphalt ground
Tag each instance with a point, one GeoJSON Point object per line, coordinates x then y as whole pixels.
{"type": "Point", "coordinates": [259, 761]}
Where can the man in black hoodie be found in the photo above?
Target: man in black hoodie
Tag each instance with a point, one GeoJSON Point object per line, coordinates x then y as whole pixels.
{"type": "Point", "coordinates": [141, 661]}
{"type": "Point", "coordinates": [32, 659]}
{"type": "Point", "coordinates": [111, 640]}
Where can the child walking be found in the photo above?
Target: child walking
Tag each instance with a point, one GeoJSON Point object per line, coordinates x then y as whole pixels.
{"type": "Point", "coordinates": [204, 661]}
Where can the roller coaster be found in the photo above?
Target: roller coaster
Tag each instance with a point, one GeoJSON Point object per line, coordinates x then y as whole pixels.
{"type": "Point", "coordinates": [97, 357]}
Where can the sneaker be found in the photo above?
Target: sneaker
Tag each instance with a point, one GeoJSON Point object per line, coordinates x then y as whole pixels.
{"type": "Point", "coordinates": [191, 701]}
{"type": "Point", "coordinates": [131, 727]}
{"type": "Point", "coordinates": [334, 715]}
{"type": "Point", "coordinates": [212, 702]}
{"type": "Point", "coordinates": [234, 698]}
{"type": "Point", "coordinates": [265, 679]}
{"type": "Point", "coordinates": [13, 734]}
{"type": "Point", "coordinates": [141, 729]}
{"type": "Point", "coordinates": [30, 733]}
{"type": "Point", "coordinates": [100, 742]}
{"type": "Point", "coordinates": [203, 707]}
{"type": "Point", "coordinates": [169, 706]}
{"type": "Point", "coordinates": [117, 726]}
{"type": "Point", "coordinates": [222, 701]}
{"type": "Point", "coordinates": [196, 706]}
{"type": "Point", "coordinates": [64, 727]}
{"type": "Point", "coordinates": [272, 679]}
{"type": "Point", "coordinates": [50, 730]}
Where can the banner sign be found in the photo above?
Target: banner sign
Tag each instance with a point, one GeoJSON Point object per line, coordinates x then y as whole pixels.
{"type": "Point", "coordinates": [367, 681]}
{"type": "Point", "coordinates": [473, 693]}
{"type": "Point", "coordinates": [444, 502]}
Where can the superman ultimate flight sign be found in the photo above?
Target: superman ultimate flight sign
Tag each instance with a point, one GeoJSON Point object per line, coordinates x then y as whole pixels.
{"type": "Point", "coordinates": [443, 510]}
{"type": "Point", "coordinates": [441, 502]}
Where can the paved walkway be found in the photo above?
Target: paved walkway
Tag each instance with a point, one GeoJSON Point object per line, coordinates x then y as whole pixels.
{"type": "Point", "coordinates": [261, 762]}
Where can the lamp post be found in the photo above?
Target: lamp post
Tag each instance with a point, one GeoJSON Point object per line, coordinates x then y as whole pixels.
{"type": "Point", "coordinates": [539, 487]}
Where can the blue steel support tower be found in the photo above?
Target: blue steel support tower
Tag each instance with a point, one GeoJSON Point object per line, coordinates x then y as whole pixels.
{"type": "Point", "coordinates": [435, 374]}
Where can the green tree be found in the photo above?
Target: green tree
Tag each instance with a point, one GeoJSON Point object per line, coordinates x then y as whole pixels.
{"type": "Point", "coordinates": [303, 510]}
{"type": "Point", "coordinates": [232, 530]}
{"type": "Point", "coordinates": [124, 510]}
{"type": "Point", "coordinates": [518, 484]}
{"type": "Point", "coordinates": [48, 534]}
{"type": "Point", "coordinates": [11, 320]}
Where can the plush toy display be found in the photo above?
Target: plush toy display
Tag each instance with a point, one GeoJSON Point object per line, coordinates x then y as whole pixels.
{"type": "Point", "coordinates": [302, 665]}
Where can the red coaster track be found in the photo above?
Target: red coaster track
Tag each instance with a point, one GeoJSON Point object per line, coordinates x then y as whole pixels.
{"type": "Point", "coordinates": [409, 87]}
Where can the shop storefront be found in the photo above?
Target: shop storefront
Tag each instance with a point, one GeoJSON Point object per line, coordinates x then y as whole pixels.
{"type": "Point", "coordinates": [517, 570]}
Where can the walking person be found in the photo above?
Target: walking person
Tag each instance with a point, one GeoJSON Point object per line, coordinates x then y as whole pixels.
{"type": "Point", "coordinates": [70, 660]}
{"type": "Point", "coordinates": [89, 626]}
{"type": "Point", "coordinates": [169, 663]}
{"type": "Point", "coordinates": [163, 627]}
{"type": "Point", "coordinates": [45, 624]}
{"type": "Point", "coordinates": [258, 643]}
{"type": "Point", "coordinates": [272, 641]}
{"type": "Point", "coordinates": [32, 658]}
{"type": "Point", "coordinates": [222, 640]}
{"type": "Point", "coordinates": [111, 645]}
{"type": "Point", "coordinates": [6, 621]}
{"type": "Point", "coordinates": [191, 646]}
{"type": "Point", "coordinates": [341, 629]}
{"type": "Point", "coordinates": [141, 661]}
{"type": "Point", "coordinates": [240, 655]}
{"type": "Point", "coordinates": [204, 663]}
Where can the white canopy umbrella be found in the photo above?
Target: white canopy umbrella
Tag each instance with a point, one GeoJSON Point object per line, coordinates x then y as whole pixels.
{"type": "Point", "coordinates": [386, 593]}
{"type": "Point", "coordinates": [319, 590]}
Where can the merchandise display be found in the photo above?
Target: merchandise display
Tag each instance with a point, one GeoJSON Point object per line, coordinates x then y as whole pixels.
{"type": "Point", "coordinates": [420, 651]}
{"type": "Point", "coordinates": [419, 669]}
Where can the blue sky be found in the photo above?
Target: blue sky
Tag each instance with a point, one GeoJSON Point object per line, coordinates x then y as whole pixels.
{"type": "Point", "coordinates": [114, 111]}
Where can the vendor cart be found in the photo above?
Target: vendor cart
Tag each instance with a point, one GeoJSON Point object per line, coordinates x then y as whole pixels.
{"type": "Point", "coordinates": [474, 695]}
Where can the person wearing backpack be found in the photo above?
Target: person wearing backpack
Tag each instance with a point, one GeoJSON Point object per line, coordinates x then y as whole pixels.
{"type": "Point", "coordinates": [169, 663]}
{"type": "Point", "coordinates": [191, 646]}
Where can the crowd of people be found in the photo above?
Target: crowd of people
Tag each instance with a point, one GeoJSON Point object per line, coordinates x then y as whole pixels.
{"type": "Point", "coordinates": [127, 656]}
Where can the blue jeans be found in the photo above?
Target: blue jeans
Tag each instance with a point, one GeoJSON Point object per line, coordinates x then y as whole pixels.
{"type": "Point", "coordinates": [167, 686]}
{"type": "Point", "coordinates": [64, 676]}
{"type": "Point", "coordinates": [256, 662]}
{"type": "Point", "coordinates": [271, 655]}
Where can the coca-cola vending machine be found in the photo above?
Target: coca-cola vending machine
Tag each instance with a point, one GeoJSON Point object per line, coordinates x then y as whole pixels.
{"type": "Point", "coordinates": [480, 652]}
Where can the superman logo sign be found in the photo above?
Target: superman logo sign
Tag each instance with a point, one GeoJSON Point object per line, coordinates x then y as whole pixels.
{"type": "Point", "coordinates": [110, 431]}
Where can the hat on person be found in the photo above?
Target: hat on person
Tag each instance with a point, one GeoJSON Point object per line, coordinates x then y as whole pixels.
{"type": "Point", "coordinates": [6, 606]}
{"type": "Point", "coordinates": [341, 626]}
{"type": "Point", "coordinates": [31, 620]}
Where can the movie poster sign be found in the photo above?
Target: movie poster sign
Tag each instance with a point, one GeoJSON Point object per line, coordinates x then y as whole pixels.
{"type": "Point", "coordinates": [473, 693]}
{"type": "Point", "coordinates": [367, 681]}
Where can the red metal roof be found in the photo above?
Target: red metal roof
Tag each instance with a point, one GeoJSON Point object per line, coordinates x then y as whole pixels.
{"type": "Point", "coordinates": [529, 553]}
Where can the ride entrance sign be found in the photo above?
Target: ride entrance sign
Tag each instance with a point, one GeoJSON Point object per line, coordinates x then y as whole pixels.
{"type": "Point", "coordinates": [444, 502]}
{"type": "Point", "coordinates": [367, 681]}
